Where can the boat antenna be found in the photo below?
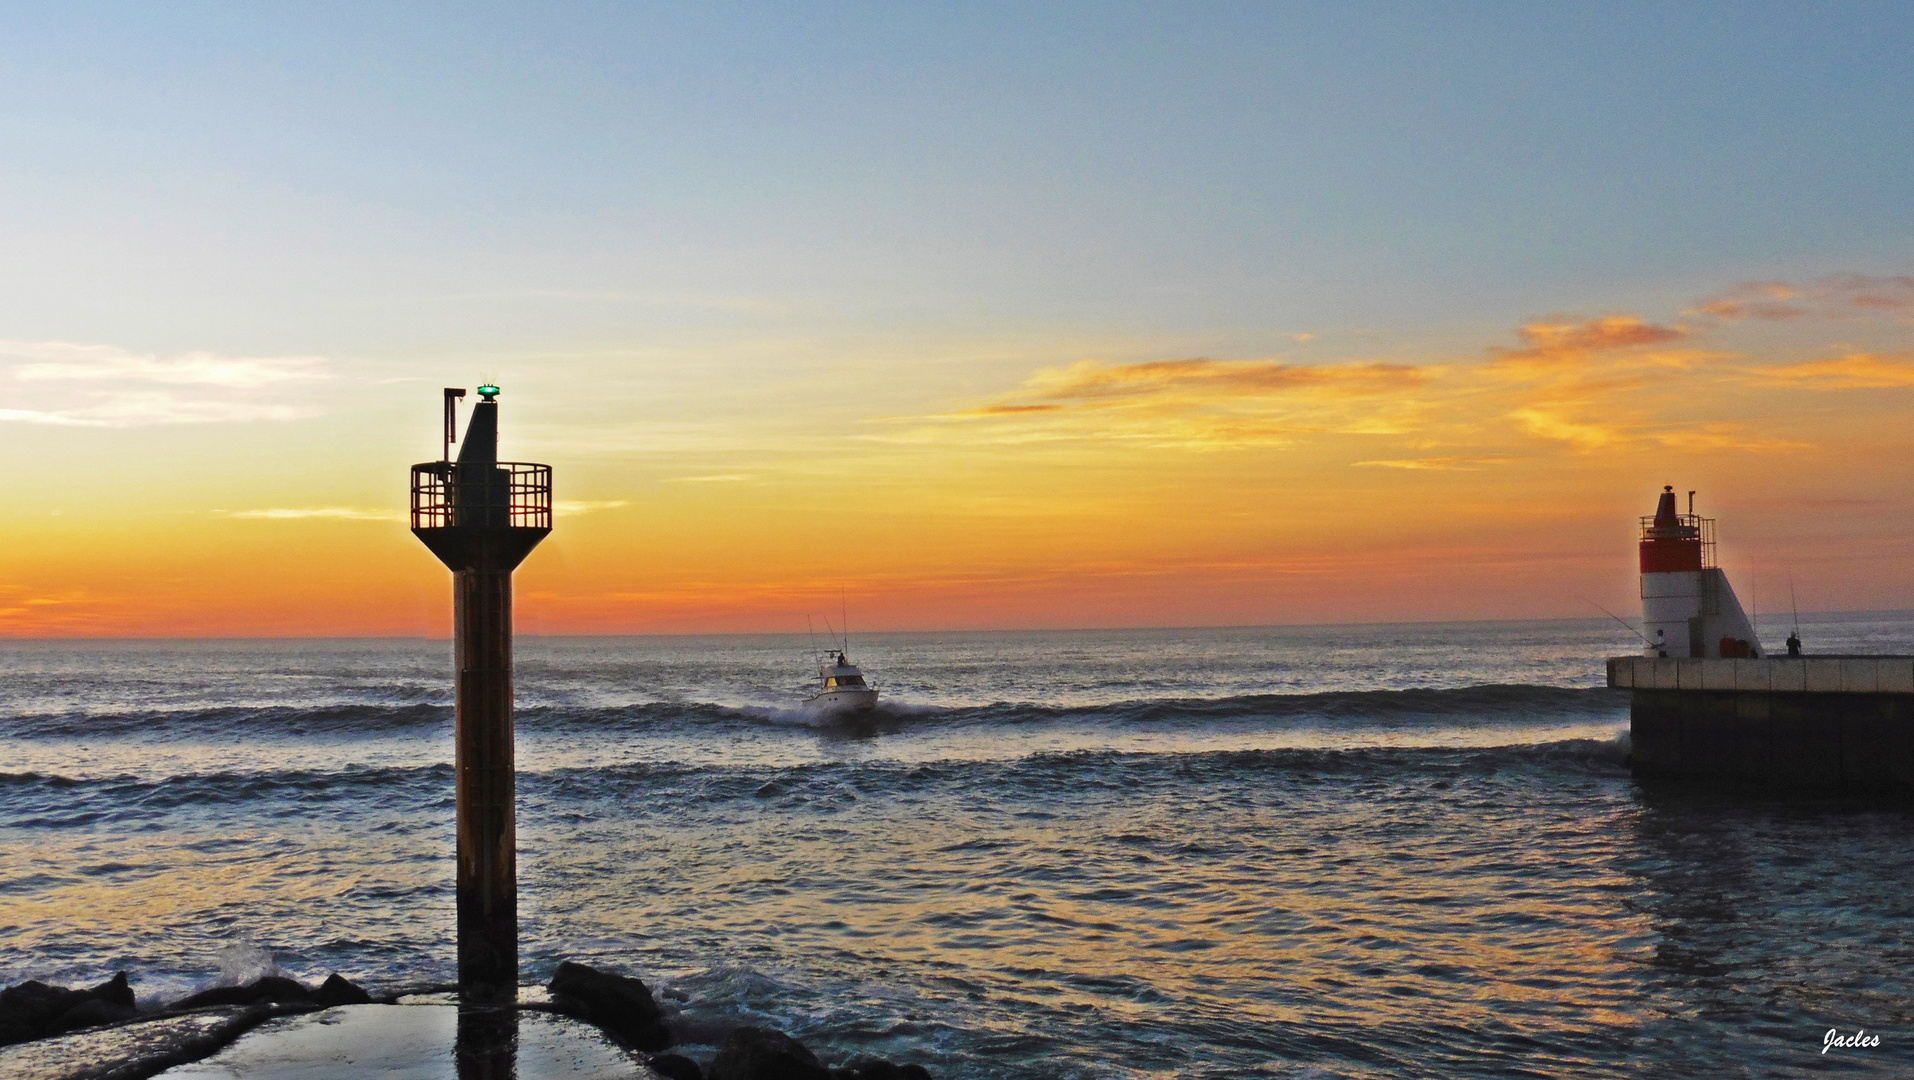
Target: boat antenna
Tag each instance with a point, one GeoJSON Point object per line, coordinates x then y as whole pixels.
{"type": "Point", "coordinates": [844, 620]}
{"type": "Point", "coordinates": [810, 636]}
{"type": "Point", "coordinates": [1619, 619]}
{"type": "Point", "coordinates": [828, 628]}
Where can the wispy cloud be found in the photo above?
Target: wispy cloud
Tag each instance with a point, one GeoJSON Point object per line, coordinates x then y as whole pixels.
{"type": "Point", "coordinates": [1604, 382]}
{"type": "Point", "coordinates": [1563, 423]}
{"type": "Point", "coordinates": [560, 507]}
{"type": "Point", "coordinates": [59, 360]}
{"type": "Point", "coordinates": [1434, 464]}
{"type": "Point", "coordinates": [1557, 342]}
{"type": "Point", "coordinates": [1768, 300]}
{"type": "Point", "coordinates": [81, 385]}
{"type": "Point", "coordinates": [1088, 384]}
{"type": "Point", "coordinates": [1855, 371]}
{"type": "Point", "coordinates": [1196, 403]}
{"type": "Point", "coordinates": [1576, 384]}
{"type": "Point", "coordinates": [1835, 296]}
{"type": "Point", "coordinates": [575, 507]}
{"type": "Point", "coordinates": [342, 513]}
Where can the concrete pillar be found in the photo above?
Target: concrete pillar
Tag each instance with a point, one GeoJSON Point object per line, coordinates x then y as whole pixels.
{"type": "Point", "coordinates": [484, 767]}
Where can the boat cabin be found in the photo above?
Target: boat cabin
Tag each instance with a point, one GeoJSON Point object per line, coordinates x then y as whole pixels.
{"type": "Point", "coordinates": [841, 674]}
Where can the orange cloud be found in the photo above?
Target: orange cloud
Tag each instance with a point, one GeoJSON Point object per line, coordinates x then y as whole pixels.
{"type": "Point", "coordinates": [1016, 410]}
{"type": "Point", "coordinates": [1856, 371]}
{"type": "Point", "coordinates": [1553, 422]}
{"type": "Point", "coordinates": [1087, 382]}
{"type": "Point", "coordinates": [1836, 296]}
{"type": "Point", "coordinates": [1092, 493]}
{"type": "Point", "coordinates": [1754, 300]}
{"type": "Point", "coordinates": [1563, 341]}
{"type": "Point", "coordinates": [1194, 404]}
{"type": "Point", "coordinates": [1434, 464]}
{"type": "Point", "coordinates": [1614, 382]}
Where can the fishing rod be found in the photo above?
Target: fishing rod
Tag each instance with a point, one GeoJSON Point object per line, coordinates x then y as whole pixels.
{"type": "Point", "coordinates": [1619, 619]}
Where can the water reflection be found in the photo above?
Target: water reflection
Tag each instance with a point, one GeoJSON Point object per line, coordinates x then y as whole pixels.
{"type": "Point", "coordinates": [487, 1046]}
{"type": "Point", "coordinates": [1774, 921]}
{"type": "Point", "coordinates": [1372, 881]}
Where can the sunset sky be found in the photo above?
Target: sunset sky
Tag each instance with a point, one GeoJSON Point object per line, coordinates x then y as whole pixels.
{"type": "Point", "coordinates": [977, 316]}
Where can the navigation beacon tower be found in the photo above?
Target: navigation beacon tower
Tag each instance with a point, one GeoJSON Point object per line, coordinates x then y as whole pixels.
{"type": "Point", "coordinates": [1688, 608]}
{"type": "Point", "coordinates": [481, 517]}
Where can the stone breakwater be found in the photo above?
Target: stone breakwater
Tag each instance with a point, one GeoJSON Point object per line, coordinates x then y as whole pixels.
{"type": "Point", "coordinates": [623, 1008]}
{"type": "Point", "coordinates": [34, 1010]}
{"type": "Point", "coordinates": [100, 1032]}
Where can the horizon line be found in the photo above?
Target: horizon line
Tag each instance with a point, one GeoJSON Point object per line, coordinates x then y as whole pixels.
{"type": "Point", "coordinates": [4, 639]}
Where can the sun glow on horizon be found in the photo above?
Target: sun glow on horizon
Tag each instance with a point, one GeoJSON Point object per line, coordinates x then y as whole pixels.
{"type": "Point", "coordinates": [1197, 491]}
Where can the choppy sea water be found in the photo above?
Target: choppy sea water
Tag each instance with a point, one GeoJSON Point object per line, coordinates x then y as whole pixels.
{"type": "Point", "coordinates": [1332, 851]}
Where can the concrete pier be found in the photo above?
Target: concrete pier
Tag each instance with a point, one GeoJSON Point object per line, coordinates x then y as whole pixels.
{"type": "Point", "coordinates": [1829, 724]}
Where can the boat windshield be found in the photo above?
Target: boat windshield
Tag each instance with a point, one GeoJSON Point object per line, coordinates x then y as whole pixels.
{"type": "Point", "coordinates": [844, 680]}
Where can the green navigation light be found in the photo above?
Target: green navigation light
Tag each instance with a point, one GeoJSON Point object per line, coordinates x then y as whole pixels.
{"type": "Point", "coordinates": [488, 392]}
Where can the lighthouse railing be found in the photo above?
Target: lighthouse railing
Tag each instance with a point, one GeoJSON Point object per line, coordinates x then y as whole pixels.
{"type": "Point", "coordinates": [1699, 527]}
{"type": "Point", "coordinates": [517, 494]}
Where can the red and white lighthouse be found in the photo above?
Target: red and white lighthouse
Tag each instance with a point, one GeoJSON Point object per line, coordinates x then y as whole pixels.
{"type": "Point", "coordinates": [1688, 608]}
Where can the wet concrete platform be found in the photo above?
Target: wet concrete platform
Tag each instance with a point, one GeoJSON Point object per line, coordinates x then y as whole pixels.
{"type": "Point", "coordinates": [420, 1039]}
{"type": "Point", "coordinates": [135, 1049]}
{"type": "Point", "coordinates": [419, 1042]}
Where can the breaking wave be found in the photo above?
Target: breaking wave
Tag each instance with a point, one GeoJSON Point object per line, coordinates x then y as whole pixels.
{"type": "Point", "coordinates": [1366, 708]}
{"type": "Point", "coordinates": [43, 800]}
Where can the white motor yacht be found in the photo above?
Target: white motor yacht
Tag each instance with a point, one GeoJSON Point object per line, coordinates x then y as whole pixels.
{"type": "Point", "coordinates": [842, 689]}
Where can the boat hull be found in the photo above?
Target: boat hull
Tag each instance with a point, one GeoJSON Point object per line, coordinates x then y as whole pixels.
{"type": "Point", "coordinates": [842, 702]}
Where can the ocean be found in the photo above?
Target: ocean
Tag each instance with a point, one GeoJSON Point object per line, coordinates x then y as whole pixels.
{"type": "Point", "coordinates": [1337, 851]}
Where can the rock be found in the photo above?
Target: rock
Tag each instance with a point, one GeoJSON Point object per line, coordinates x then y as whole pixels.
{"type": "Point", "coordinates": [92, 1012]}
{"type": "Point", "coordinates": [272, 988]}
{"type": "Point", "coordinates": [33, 1010]}
{"type": "Point", "coordinates": [617, 1003]}
{"type": "Point", "coordinates": [675, 1067]}
{"type": "Point", "coordinates": [753, 1053]}
{"type": "Point", "coordinates": [26, 1009]}
{"type": "Point", "coordinates": [34, 1004]}
{"type": "Point", "coordinates": [339, 990]}
{"type": "Point", "coordinates": [912, 1072]}
{"type": "Point", "coordinates": [115, 990]}
{"type": "Point", "coordinates": [279, 990]}
{"type": "Point", "coordinates": [15, 1031]}
{"type": "Point", "coordinates": [218, 995]}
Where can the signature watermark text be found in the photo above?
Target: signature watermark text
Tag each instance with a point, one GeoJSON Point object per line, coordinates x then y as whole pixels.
{"type": "Point", "coordinates": [1860, 1040]}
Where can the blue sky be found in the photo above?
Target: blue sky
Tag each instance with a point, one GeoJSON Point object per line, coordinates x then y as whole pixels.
{"type": "Point", "coordinates": [378, 179]}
